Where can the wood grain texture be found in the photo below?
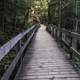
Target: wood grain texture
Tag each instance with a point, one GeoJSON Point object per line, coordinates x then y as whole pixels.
{"type": "Point", "coordinates": [44, 60]}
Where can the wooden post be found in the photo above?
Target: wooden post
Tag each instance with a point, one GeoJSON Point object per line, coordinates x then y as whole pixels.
{"type": "Point", "coordinates": [60, 38]}
{"type": "Point", "coordinates": [18, 46]}
{"type": "Point", "coordinates": [20, 43]}
{"type": "Point", "coordinates": [53, 32]}
{"type": "Point", "coordinates": [63, 38]}
{"type": "Point", "coordinates": [56, 34]}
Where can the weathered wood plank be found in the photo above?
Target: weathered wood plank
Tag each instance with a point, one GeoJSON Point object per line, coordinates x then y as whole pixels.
{"type": "Point", "coordinates": [44, 60]}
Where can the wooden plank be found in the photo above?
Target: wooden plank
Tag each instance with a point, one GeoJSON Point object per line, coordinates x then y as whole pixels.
{"type": "Point", "coordinates": [44, 60]}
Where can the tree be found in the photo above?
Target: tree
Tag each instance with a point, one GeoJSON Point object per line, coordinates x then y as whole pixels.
{"type": "Point", "coordinates": [67, 14]}
{"type": "Point", "coordinates": [40, 10]}
{"type": "Point", "coordinates": [13, 14]}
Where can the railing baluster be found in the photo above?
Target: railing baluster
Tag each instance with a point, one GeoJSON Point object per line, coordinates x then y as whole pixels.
{"type": "Point", "coordinates": [20, 44]}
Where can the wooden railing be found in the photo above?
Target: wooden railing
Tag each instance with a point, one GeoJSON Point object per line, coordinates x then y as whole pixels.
{"type": "Point", "coordinates": [70, 41]}
{"type": "Point", "coordinates": [20, 42]}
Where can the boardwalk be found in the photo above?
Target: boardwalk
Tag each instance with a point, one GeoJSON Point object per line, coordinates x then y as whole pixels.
{"type": "Point", "coordinates": [45, 61]}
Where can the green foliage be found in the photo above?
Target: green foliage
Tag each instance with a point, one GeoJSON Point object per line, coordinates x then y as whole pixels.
{"type": "Point", "coordinates": [3, 38]}
{"type": "Point", "coordinates": [53, 11]}
{"type": "Point", "coordinates": [66, 13]}
{"type": "Point", "coordinates": [40, 10]}
{"type": "Point", "coordinates": [28, 23]}
{"type": "Point", "coordinates": [13, 14]}
{"type": "Point", "coordinates": [5, 62]}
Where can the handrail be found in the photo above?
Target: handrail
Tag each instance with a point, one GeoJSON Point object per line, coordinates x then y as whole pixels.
{"type": "Point", "coordinates": [67, 39]}
{"type": "Point", "coordinates": [10, 73]}
{"type": "Point", "coordinates": [72, 34]}
{"type": "Point", "coordinates": [10, 44]}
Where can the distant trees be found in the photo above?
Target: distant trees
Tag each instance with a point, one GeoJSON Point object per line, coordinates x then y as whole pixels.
{"type": "Point", "coordinates": [65, 13]}
{"type": "Point", "coordinates": [53, 11]}
{"type": "Point", "coordinates": [40, 10]}
{"type": "Point", "coordinates": [13, 16]}
{"type": "Point", "coordinates": [16, 15]}
{"type": "Point", "coordinates": [67, 19]}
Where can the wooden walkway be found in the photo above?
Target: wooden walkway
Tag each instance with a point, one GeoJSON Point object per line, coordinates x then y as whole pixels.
{"type": "Point", "coordinates": [44, 60]}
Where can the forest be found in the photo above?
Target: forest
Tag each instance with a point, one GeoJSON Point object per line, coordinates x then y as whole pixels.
{"type": "Point", "coordinates": [65, 13]}
{"type": "Point", "coordinates": [12, 18]}
{"type": "Point", "coordinates": [17, 16]}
